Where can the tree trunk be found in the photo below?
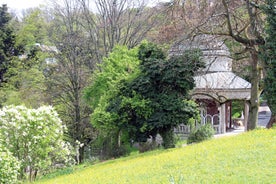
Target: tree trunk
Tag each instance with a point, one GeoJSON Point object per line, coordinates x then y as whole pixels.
{"type": "Point", "coordinates": [81, 151]}
{"type": "Point", "coordinates": [167, 135]}
{"type": "Point", "coordinates": [254, 100]}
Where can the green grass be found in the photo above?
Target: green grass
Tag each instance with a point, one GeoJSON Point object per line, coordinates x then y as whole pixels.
{"type": "Point", "coordinates": [246, 158]}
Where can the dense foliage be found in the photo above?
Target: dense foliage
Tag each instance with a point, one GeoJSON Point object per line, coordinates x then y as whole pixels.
{"type": "Point", "coordinates": [200, 134]}
{"type": "Point", "coordinates": [153, 100]}
{"type": "Point", "coordinates": [9, 167]}
{"type": "Point", "coordinates": [121, 64]}
{"type": "Point", "coordinates": [26, 82]}
{"type": "Point", "coordinates": [269, 55]}
{"type": "Point", "coordinates": [34, 137]}
{"type": "Point", "coordinates": [165, 84]}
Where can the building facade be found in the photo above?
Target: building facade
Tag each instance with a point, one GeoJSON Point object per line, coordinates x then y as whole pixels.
{"type": "Point", "coordinates": [216, 86]}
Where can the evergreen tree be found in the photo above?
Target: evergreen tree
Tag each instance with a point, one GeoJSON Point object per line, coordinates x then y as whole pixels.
{"type": "Point", "coordinates": [166, 83]}
{"type": "Point", "coordinates": [269, 56]}
{"type": "Point", "coordinates": [7, 41]}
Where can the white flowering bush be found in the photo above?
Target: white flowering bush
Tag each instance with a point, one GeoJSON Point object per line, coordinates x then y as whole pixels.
{"type": "Point", "coordinates": [34, 136]}
{"type": "Point", "coordinates": [9, 167]}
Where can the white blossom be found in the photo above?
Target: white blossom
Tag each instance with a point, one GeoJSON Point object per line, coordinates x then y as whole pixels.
{"type": "Point", "coordinates": [37, 132]}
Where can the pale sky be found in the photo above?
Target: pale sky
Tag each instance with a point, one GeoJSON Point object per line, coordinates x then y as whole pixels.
{"type": "Point", "coordinates": [19, 5]}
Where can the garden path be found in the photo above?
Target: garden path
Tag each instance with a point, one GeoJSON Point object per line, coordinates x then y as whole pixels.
{"type": "Point", "coordinates": [263, 119]}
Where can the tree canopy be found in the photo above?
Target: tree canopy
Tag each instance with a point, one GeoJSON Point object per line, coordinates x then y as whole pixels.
{"type": "Point", "coordinates": [165, 85]}
{"type": "Point", "coordinates": [269, 56]}
{"type": "Point", "coordinates": [155, 100]}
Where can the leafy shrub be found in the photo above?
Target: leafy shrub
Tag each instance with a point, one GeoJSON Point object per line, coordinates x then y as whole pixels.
{"type": "Point", "coordinates": [168, 139]}
{"type": "Point", "coordinates": [35, 136]}
{"type": "Point", "coordinates": [237, 108]}
{"type": "Point", "coordinates": [204, 132]}
{"type": "Point", "coordinates": [9, 167]}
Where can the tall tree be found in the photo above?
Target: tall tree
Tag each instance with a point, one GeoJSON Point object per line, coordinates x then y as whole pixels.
{"type": "Point", "coordinates": [71, 74]}
{"type": "Point", "coordinates": [269, 56]}
{"type": "Point", "coordinates": [247, 31]}
{"type": "Point", "coordinates": [7, 42]}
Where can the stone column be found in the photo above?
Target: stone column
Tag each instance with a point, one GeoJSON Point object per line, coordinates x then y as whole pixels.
{"type": "Point", "coordinates": [222, 118]}
{"type": "Point", "coordinates": [246, 113]}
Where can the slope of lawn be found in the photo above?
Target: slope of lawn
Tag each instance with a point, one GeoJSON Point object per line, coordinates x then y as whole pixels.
{"type": "Point", "coordinates": [245, 158]}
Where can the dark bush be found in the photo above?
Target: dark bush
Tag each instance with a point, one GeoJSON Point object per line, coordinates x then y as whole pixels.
{"type": "Point", "coordinates": [168, 139]}
{"type": "Point", "coordinates": [202, 133]}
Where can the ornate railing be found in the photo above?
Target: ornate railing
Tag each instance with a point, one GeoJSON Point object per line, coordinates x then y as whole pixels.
{"type": "Point", "coordinates": [212, 119]}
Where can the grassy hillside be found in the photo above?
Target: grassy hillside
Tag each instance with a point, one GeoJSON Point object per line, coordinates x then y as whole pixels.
{"type": "Point", "coordinates": [245, 158]}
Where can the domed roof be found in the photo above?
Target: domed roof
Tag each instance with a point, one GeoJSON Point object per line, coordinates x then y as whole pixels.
{"type": "Point", "coordinates": [217, 81]}
{"type": "Point", "coordinates": [221, 86]}
{"type": "Point", "coordinates": [216, 55]}
{"type": "Point", "coordinates": [221, 80]}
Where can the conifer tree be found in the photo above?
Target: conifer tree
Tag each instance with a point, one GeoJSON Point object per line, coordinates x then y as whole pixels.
{"type": "Point", "coordinates": [269, 56]}
{"type": "Point", "coordinates": [7, 41]}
